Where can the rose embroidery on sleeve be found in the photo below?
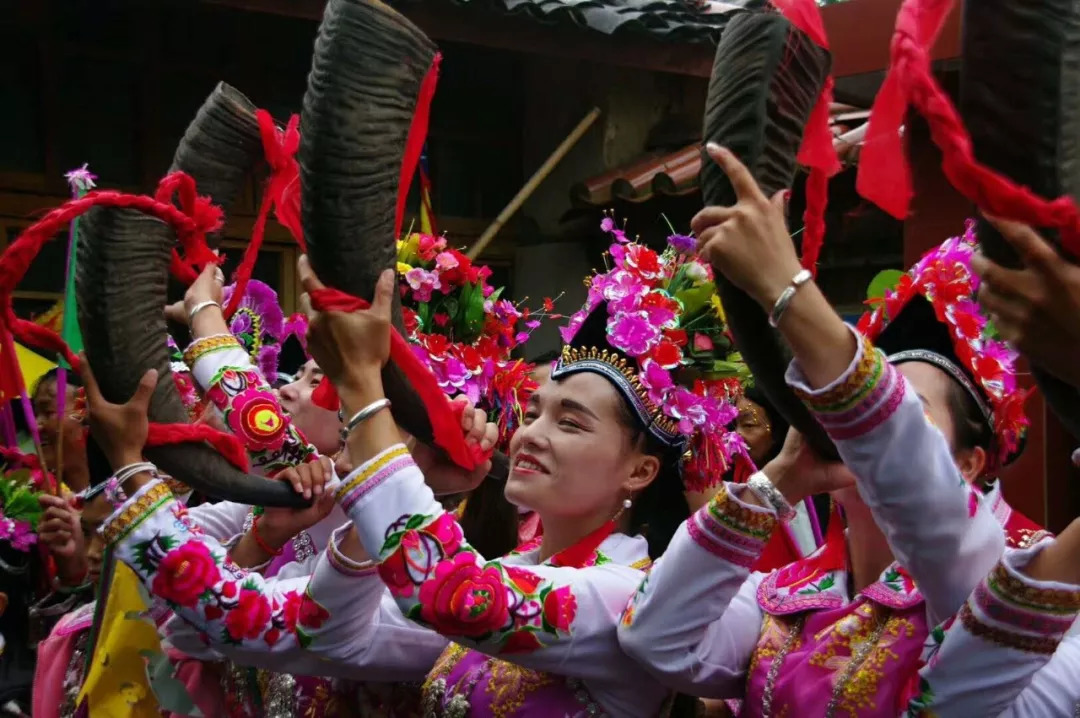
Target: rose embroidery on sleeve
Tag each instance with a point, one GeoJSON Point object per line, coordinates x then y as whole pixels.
{"type": "Point", "coordinates": [185, 573]}
{"type": "Point", "coordinates": [439, 581]}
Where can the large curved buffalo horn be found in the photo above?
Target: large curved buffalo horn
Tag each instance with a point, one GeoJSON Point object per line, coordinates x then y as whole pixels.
{"type": "Point", "coordinates": [365, 78]}
{"type": "Point", "coordinates": [1020, 100]}
{"type": "Point", "coordinates": [121, 282]}
{"type": "Point", "coordinates": [765, 80]}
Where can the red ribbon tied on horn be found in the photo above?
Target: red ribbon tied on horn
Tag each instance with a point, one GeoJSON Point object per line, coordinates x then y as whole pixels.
{"type": "Point", "coordinates": [444, 414]}
{"type": "Point", "coordinates": [816, 151]}
{"type": "Point", "coordinates": [280, 194]}
{"type": "Point", "coordinates": [884, 176]}
{"type": "Point", "coordinates": [192, 220]}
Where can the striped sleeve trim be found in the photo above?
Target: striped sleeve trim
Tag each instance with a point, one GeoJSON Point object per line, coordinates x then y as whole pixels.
{"type": "Point", "coordinates": [729, 529]}
{"type": "Point", "coordinates": [1010, 611]}
{"type": "Point", "coordinates": [372, 473]}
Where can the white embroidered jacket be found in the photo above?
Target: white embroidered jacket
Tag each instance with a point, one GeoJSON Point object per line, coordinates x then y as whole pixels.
{"type": "Point", "coordinates": [544, 617]}
{"type": "Point", "coordinates": [697, 622]}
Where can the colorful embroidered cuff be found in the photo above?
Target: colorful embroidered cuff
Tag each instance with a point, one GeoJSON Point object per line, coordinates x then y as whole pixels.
{"type": "Point", "coordinates": [372, 473]}
{"type": "Point", "coordinates": [209, 366]}
{"type": "Point", "coordinates": [1015, 611]}
{"type": "Point", "coordinates": [135, 510]}
{"type": "Point", "coordinates": [207, 345]}
{"type": "Point", "coordinates": [342, 563]}
{"type": "Point", "coordinates": [863, 397]}
{"type": "Point", "coordinates": [732, 529]}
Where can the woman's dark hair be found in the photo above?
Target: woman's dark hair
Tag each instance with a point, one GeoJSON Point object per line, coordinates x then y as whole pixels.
{"type": "Point", "coordinates": [659, 509]}
{"type": "Point", "coordinates": [490, 521]}
{"type": "Point", "coordinates": [970, 427]}
{"type": "Point", "coordinates": [778, 426]}
{"type": "Point", "coordinates": [546, 357]}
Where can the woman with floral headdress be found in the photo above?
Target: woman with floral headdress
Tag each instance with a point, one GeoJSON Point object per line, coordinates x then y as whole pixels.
{"type": "Point", "coordinates": [234, 386]}
{"type": "Point", "coordinates": [842, 631]}
{"type": "Point", "coordinates": [530, 634]}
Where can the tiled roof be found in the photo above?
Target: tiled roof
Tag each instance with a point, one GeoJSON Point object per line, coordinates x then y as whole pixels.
{"type": "Point", "coordinates": [669, 20]}
{"type": "Point", "coordinates": [676, 173]}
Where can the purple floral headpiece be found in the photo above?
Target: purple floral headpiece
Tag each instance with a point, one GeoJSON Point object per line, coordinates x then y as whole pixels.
{"type": "Point", "coordinates": [258, 324]}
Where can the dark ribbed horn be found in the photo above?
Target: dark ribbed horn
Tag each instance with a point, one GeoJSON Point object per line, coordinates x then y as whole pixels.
{"type": "Point", "coordinates": [765, 80]}
{"type": "Point", "coordinates": [361, 95]}
{"type": "Point", "coordinates": [121, 281]}
{"type": "Point", "coordinates": [1020, 100]}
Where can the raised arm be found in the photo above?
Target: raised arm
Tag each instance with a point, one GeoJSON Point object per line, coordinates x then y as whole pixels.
{"type": "Point", "coordinates": [695, 621]}
{"type": "Point", "coordinates": [548, 617]}
{"type": "Point", "coordinates": [866, 405]}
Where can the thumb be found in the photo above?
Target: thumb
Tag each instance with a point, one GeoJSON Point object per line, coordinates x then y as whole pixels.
{"type": "Point", "coordinates": [384, 295]}
{"type": "Point", "coordinates": [145, 389]}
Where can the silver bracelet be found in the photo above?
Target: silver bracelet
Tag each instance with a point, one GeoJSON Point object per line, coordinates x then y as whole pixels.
{"type": "Point", "coordinates": [787, 295]}
{"type": "Point", "coordinates": [199, 307]}
{"type": "Point", "coordinates": [363, 415]}
{"type": "Point", "coordinates": [760, 484]}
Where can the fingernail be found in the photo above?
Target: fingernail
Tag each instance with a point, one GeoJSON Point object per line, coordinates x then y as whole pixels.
{"type": "Point", "coordinates": [714, 148]}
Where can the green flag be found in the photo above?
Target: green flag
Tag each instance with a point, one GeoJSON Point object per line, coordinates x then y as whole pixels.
{"type": "Point", "coordinates": [81, 181]}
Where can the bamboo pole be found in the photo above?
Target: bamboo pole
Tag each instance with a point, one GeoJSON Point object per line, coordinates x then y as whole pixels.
{"type": "Point", "coordinates": [539, 176]}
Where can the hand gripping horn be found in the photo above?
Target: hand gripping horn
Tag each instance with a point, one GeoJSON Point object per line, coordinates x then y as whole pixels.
{"type": "Point", "coordinates": [366, 76]}
{"type": "Point", "coordinates": [121, 282]}
{"type": "Point", "coordinates": [1020, 100]}
{"type": "Point", "coordinates": [765, 80]}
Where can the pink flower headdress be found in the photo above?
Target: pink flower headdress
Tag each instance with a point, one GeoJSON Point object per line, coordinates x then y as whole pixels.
{"type": "Point", "coordinates": [654, 325]}
{"type": "Point", "coordinates": [463, 330]}
{"type": "Point", "coordinates": [932, 315]}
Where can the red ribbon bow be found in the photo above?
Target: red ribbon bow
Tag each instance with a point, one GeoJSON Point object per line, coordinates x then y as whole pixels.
{"type": "Point", "coordinates": [282, 193]}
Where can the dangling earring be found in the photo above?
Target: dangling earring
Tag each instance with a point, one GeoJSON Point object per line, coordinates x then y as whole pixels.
{"type": "Point", "coordinates": [626, 504]}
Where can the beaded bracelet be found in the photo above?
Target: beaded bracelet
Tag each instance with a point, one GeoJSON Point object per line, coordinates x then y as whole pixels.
{"type": "Point", "coordinates": [114, 491]}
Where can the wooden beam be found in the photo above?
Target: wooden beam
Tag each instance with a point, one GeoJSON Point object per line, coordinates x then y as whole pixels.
{"type": "Point", "coordinates": [466, 25]}
{"type": "Point", "coordinates": [860, 32]}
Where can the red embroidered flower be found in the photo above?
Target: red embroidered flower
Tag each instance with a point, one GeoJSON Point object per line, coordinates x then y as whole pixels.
{"type": "Point", "coordinates": [290, 612]}
{"type": "Point", "coordinates": [412, 322]}
{"type": "Point", "coordinates": [560, 607]}
{"type": "Point", "coordinates": [464, 599]}
{"type": "Point", "coordinates": [213, 612]}
{"type": "Point", "coordinates": [526, 581]}
{"type": "Point", "coordinates": [255, 416]}
{"type": "Point", "coordinates": [521, 642]}
{"type": "Point", "coordinates": [250, 615]}
{"type": "Point", "coordinates": [272, 636]}
{"type": "Point", "coordinates": [677, 336]}
{"type": "Point", "coordinates": [447, 531]}
{"type": "Point", "coordinates": [312, 615]}
{"type": "Point", "coordinates": [228, 589]}
{"type": "Point", "coordinates": [186, 573]}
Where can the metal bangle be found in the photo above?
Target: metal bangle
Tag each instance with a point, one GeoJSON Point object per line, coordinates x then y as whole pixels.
{"type": "Point", "coordinates": [760, 484]}
{"type": "Point", "coordinates": [782, 302]}
{"type": "Point", "coordinates": [363, 415]}
{"type": "Point", "coordinates": [199, 307]}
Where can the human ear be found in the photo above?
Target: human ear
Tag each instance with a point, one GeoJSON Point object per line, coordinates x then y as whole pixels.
{"type": "Point", "coordinates": [643, 471]}
{"type": "Point", "coordinates": [972, 463]}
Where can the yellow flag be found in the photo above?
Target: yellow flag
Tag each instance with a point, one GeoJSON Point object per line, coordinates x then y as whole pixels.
{"type": "Point", "coordinates": [116, 684]}
{"type": "Point", "coordinates": [32, 365]}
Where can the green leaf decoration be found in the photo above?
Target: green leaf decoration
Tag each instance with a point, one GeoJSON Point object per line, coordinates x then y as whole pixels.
{"type": "Point", "coordinates": [474, 311]}
{"type": "Point", "coordinates": [423, 315]}
{"type": "Point", "coordinates": [884, 280]}
{"type": "Point", "coordinates": [303, 637]}
{"type": "Point", "coordinates": [695, 299]}
{"type": "Point", "coordinates": [826, 583]}
{"type": "Point", "coordinates": [416, 521]}
{"type": "Point", "coordinates": [391, 544]}
{"type": "Point", "coordinates": [171, 694]}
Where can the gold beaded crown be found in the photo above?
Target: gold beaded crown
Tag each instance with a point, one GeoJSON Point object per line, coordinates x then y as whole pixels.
{"type": "Point", "coordinates": [589, 351]}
